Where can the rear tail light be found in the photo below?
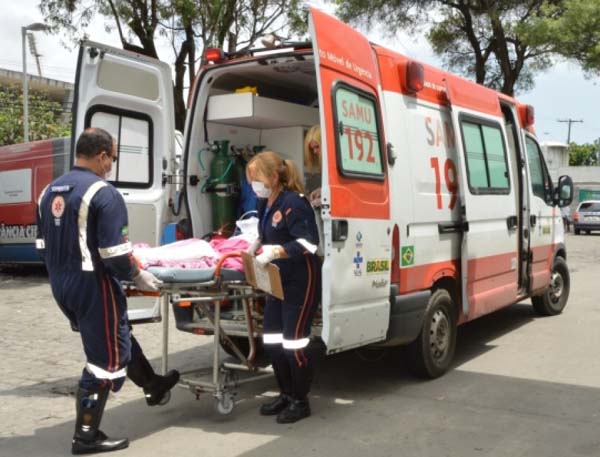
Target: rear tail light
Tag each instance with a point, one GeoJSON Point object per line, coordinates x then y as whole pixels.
{"type": "Point", "coordinates": [576, 216]}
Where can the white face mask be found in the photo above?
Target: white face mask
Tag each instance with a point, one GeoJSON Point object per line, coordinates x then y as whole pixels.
{"type": "Point", "coordinates": [260, 189]}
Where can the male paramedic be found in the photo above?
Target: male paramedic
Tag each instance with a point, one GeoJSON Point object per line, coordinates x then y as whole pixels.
{"type": "Point", "coordinates": [82, 236]}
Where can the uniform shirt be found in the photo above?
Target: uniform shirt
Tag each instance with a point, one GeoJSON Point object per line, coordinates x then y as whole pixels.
{"type": "Point", "coordinates": [82, 226]}
{"type": "Point", "coordinates": [289, 222]}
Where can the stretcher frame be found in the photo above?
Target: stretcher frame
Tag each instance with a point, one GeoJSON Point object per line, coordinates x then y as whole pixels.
{"type": "Point", "coordinates": [209, 296]}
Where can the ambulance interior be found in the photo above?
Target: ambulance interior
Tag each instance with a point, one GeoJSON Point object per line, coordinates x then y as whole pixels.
{"type": "Point", "coordinates": [264, 104]}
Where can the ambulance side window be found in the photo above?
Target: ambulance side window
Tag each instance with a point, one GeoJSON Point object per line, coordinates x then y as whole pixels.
{"type": "Point", "coordinates": [541, 183]}
{"type": "Point", "coordinates": [359, 151]}
{"type": "Point", "coordinates": [485, 155]}
{"type": "Point", "coordinates": [133, 133]}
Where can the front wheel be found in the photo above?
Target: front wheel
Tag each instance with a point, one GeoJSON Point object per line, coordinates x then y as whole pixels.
{"type": "Point", "coordinates": [554, 299]}
{"type": "Point", "coordinates": [431, 354]}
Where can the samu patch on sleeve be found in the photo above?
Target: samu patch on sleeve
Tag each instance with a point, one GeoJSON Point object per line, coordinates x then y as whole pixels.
{"type": "Point", "coordinates": [124, 231]}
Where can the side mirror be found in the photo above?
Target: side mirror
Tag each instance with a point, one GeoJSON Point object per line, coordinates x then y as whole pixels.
{"type": "Point", "coordinates": [563, 193]}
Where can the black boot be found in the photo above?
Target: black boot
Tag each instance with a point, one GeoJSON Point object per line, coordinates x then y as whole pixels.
{"type": "Point", "coordinates": [284, 381]}
{"type": "Point", "coordinates": [275, 406]}
{"type": "Point", "coordinates": [296, 410]}
{"type": "Point", "coordinates": [155, 386]}
{"type": "Point", "coordinates": [88, 439]}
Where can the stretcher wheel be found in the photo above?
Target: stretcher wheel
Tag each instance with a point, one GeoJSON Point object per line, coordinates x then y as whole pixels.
{"type": "Point", "coordinates": [224, 404]}
{"type": "Point", "coordinates": [165, 399]}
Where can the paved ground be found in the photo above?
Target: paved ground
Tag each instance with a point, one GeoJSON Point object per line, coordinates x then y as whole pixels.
{"type": "Point", "coordinates": [521, 386]}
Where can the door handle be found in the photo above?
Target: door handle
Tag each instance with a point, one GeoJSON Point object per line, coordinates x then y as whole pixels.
{"type": "Point", "coordinates": [511, 222]}
{"type": "Point", "coordinates": [533, 220]}
{"type": "Point", "coordinates": [339, 230]}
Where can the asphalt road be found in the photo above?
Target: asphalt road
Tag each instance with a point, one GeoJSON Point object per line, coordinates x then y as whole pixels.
{"type": "Point", "coordinates": [520, 386]}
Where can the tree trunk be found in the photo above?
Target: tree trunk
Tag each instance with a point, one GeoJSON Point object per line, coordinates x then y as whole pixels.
{"type": "Point", "coordinates": [180, 64]}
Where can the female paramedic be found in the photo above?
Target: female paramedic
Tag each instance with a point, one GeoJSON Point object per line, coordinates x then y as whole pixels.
{"type": "Point", "coordinates": [312, 164]}
{"type": "Point", "coordinates": [289, 238]}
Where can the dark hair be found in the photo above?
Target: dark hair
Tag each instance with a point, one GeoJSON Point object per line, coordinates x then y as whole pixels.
{"type": "Point", "coordinates": [93, 141]}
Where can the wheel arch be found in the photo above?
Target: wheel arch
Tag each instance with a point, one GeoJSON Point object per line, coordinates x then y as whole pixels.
{"type": "Point", "coordinates": [560, 251]}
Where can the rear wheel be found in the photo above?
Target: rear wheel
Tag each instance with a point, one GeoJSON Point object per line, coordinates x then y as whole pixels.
{"type": "Point", "coordinates": [431, 354]}
{"type": "Point", "coordinates": [576, 231]}
{"type": "Point", "coordinates": [554, 299]}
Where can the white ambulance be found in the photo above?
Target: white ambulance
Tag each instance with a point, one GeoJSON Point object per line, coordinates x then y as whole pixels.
{"type": "Point", "coordinates": [437, 206]}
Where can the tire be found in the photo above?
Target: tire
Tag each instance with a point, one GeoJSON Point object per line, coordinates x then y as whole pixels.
{"type": "Point", "coordinates": [576, 231]}
{"type": "Point", "coordinates": [588, 232]}
{"type": "Point", "coordinates": [554, 299]}
{"type": "Point", "coordinates": [431, 354]}
{"type": "Point", "coordinates": [243, 345]}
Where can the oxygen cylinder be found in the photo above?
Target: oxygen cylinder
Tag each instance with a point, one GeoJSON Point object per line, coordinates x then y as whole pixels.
{"type": "Point", "coordinates": [224, 188]}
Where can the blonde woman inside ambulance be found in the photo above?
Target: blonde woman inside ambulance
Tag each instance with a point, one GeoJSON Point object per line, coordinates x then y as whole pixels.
{"type": "Point", "coordinates": [288, 238]}
{"type": "Point", "coordinates": [312, 164]}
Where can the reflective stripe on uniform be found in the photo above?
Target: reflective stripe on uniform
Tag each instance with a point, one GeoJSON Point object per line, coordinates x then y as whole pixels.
{"type": "Point", "coordinates": [84, 208]}
{"type": "Point", "coordinates": [296, 344]}
{"type": "Point", "coordinates": [39, 202]}
{"type": "Point", "coordinates": [312, 248]}
{"type": "Point", "coordinates": [40, 243]}
{"type": "Point", "coordinates": [115, 251]}
{"type": "Point", "coordinates": [101, 373]}
{"type": "Point", "coordinates": [272, 338]}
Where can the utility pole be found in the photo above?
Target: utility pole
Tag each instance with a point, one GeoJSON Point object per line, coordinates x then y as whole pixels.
{"type": "Point", "coordinates": [570, 121]}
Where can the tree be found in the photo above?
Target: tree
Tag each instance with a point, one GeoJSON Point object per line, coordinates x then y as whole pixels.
{"type": "Point", "coordinates": [502, 43]}
{"type": "Point", "coordinates": [575, 26]}
{"type": "Point", "coordinates": [584, 154]}
{"type": "Point", "coordinates": [45, 116]}
{"type": "Point", "coordinates": [190, 25]}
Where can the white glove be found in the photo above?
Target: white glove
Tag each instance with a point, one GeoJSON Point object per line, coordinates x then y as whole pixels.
{"type": "Point", "coordinates": [269, 253]}
{"type": "Point", "coordinates": [254, 246]}
{"type": "Point", "coordinates": [146, 281]}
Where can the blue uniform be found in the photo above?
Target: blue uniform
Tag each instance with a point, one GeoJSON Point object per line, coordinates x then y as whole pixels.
{"type": "Point", "coordinates": [290, 222]}
{"type": "Point", "coordinates": [83, 238]}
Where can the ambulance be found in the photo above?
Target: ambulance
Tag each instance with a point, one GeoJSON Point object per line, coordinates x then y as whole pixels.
{"type": "Point", "coordinates": [25, 169]}
{"type": "Point", "coordinates": [437, 206]}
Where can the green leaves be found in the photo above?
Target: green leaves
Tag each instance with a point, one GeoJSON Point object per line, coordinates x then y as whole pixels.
{"type": "Point", "coordinates": [45, 117]}
{"type": "Point", "coordinates": [501, 44]}
{"type": "Point", "coordinates": [584, 154]}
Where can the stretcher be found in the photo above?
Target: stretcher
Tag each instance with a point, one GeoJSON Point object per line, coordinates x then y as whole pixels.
{"type": "Point", "coordinates": [201, 299]}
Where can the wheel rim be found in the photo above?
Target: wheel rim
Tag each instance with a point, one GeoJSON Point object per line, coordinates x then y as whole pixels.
{"type": "Point", "coordinates": [557, 286]}
{"type": "Point", "coordinates": [439, 340]}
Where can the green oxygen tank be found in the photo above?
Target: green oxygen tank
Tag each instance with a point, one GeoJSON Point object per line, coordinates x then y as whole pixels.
{"type": "Point", "coordinates": [224, 184]}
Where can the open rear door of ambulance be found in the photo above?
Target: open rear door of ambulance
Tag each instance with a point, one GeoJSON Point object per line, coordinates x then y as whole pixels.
{"type": "Point", "coordinates": [355, 188]}
{"type": "Point", "coordinates": [489, 251]}
{"type": "Point", "coordinates": [130, 96]}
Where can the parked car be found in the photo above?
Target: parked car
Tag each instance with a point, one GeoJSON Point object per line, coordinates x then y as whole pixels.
{"type": "Point", "coordinates": [587, 216]}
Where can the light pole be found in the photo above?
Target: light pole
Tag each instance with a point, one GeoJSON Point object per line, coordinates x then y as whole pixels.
{"type": "Point", "coordinates": [35, 27]}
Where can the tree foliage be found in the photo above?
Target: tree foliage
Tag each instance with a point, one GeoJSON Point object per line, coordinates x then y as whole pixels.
{"type": "Point", "coordinates": [584, 154]}
{"type": "Point", "coordinates": [574, 26]}
{"type": "Point", "coordinates": [501, 43]}
{"type": "Point", "coordinates": [45, 116]}
{"type": "Point", "coordinates": [189, 25]}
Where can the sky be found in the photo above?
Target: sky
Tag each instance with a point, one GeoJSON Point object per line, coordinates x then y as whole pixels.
{"type": "Point", "coordinates": [560, 93]}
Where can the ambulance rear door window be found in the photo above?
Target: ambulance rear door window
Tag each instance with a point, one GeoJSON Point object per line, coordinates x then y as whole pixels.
{"type": "Point", "coordinates": [133, 134]}
{"type": "Point", "coordinates": [359, 151]}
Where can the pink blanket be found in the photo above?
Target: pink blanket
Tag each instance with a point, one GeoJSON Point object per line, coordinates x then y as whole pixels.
{"type": "Point", "coordinates": [191, 253]}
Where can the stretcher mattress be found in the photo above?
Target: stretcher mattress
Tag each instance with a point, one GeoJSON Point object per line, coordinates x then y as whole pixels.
{"type": "Point", "coordinates": [193, 275]}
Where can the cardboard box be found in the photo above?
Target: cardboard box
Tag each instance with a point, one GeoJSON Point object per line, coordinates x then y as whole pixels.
{"type": "Point", "coordinates": [265, 278]}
